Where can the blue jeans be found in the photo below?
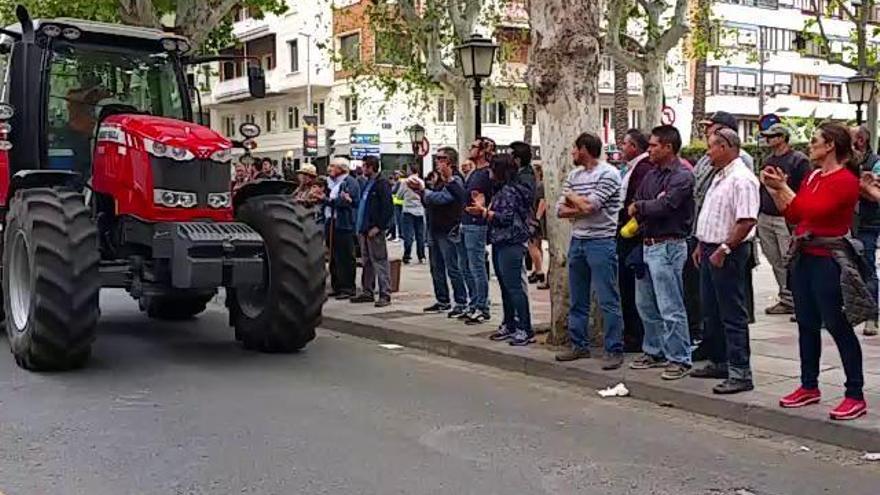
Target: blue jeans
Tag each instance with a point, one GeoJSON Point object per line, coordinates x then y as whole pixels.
{"type": "Point", "coordinates": [474, 240]}
{"type": "Point", "coordinates": [413, 226]}
{"type": "Point", "coordinates": [508, 260]}
{"type": "Point", "coordinates": [592, 263]}
{"type": "Point", "coordinates": [660, 301]}
{"type": "Point", "coordinates": [869, 239]}
{"type": "Point", "coordinates": [818, 299]}
{"type": "Point", "coordinates": [725, 317]}
{"type": "Point", "coordinates": [395, 228]}
{"type": "Point", "coordinates": [444, 262]}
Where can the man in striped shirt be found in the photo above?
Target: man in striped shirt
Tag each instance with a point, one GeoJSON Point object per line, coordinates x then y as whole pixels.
{"type": "Point", "coordinates": [591, 200]}
{"type": "Point", "coordinates": [725, 225]}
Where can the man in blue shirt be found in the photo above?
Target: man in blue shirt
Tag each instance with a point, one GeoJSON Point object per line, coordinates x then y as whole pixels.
{"type": "Point", "coordinates": [474, 232]}
{"type": "Point", "coordinates": [374, 213]}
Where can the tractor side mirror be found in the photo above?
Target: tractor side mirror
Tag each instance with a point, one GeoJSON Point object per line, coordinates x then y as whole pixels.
{"type": "Point", "coordinates": [256, 82]}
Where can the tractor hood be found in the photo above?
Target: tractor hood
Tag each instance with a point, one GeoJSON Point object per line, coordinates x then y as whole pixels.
{"type": "Point", "coordinates": [200, 140]}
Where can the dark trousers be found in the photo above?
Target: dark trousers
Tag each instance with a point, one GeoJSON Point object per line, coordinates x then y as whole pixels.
{"type": "Point", "coordinates": [818, 299]}
{"type": "Point", "coordinates": [342, 261]}
{"type": "Point", "coordinates": [725, 317]}
{"type": "Point", "coordinates": [509, 264]}
{"type": "Point", "coordinates": [633, 331]}
{"type": "Point", "coordinates": [412, 227]}
{"type": "Point", "coordinates": [691, 278]}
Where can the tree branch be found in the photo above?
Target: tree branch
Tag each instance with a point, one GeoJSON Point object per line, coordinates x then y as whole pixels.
{"type": "Point", "coordinates": [677, 29]}
{"type": "Point", "coordinates": [633, 61]}
{"type": "Point", "coordinates": [826, 43]}
{"type": "Point", "coordinates": [847, 11]}
{"type": "Point", "coordinates": [138, 13]}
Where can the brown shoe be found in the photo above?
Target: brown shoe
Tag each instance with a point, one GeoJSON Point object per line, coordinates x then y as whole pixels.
{"type": "Point", "coordinates": [573, 354]}
{"type": "Point", "coordinates": [779, 309]}
{"type": "Point", "coordinates": [612, 361]}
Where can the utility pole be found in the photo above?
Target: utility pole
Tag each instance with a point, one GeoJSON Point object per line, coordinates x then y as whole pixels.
{"type": "Point", "coordinates": [309, 109]}
{"type": "Point", "coordinates": [760, 72]}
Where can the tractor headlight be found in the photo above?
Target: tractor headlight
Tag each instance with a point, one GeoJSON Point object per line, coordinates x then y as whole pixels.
{"type": "Point", "coordinates": [222, 156]}
{"type": "Point", "coordinates": [51, 30]}
{"type": "Point", "coordinates": [71, 33]}
{"type": "Point", "coordinates": [162, 150]}
{"type": "Point", "coordinates": [174, 199]}
{"type": "Point", "coordinates": [219, 200]}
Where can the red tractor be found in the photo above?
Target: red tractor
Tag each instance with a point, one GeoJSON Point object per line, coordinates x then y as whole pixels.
{"type": "Point", "coordinates": [107, 181]}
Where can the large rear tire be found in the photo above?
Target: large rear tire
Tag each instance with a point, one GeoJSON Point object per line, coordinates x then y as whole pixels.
{"type": "Point", "coordinates": [174, 307]}
{"type": "Point", "coordinates": [51, 280]}
{"type": "Point", "coordinates": [282, 314]}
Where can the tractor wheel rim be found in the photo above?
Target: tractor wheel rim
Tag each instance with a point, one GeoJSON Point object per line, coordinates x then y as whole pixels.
{"type": "Point", "coordinates": [20, 281]}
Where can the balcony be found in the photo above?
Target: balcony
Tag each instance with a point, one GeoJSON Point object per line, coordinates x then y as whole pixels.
{"type": "Point", "coordinates": [235, 89]}
{"type": "Point", "coordinates": [250, 28]}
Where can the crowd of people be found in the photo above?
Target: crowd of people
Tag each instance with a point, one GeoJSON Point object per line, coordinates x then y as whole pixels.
{"type": "Point", "coordinates": [664, 249]}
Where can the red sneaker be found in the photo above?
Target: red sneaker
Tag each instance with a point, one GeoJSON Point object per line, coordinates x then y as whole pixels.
{"type": "Point", "coordinates": [849, 409]}
{"type": "Point", "coordinates": [801, 397]}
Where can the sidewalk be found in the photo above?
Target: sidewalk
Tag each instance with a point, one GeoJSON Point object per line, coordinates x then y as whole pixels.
{"type": "Point", "coordinates": [774, 360]}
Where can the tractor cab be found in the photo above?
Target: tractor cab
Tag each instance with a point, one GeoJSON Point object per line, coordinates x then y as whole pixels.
{"type": "Point", "coordinates": [106, 181]}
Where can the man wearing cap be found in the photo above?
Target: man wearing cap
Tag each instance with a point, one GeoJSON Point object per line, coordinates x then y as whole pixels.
{"type": "Point", "coordinates": [704, 172]}
{"type": "Point", "coordinates": [867, 225]}
{"type": "Point", "coordinates": [773, 231]}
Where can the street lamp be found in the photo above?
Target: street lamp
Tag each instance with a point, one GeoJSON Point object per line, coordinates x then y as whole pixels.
{"type": "Point", "coordinates": [860, 89]}
{"type": "Point", "coordinates": [416, 136]}
{"type": "Point", "coordinates": [476, 56]}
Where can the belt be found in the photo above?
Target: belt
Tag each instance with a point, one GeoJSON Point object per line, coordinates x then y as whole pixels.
{"type": "Point", "coordinates": [650, 241]}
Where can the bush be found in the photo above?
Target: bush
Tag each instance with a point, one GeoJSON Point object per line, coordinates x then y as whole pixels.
{"type": "Point", "coordinates": [696, 149]}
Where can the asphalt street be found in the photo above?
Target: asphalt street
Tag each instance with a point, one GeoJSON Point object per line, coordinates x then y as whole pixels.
{"type": "Point", "coordinates": [179, 408]}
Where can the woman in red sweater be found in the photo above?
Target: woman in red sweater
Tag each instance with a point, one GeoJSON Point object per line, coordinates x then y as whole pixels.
{"type": "Point", "coordinates": [823, 207]}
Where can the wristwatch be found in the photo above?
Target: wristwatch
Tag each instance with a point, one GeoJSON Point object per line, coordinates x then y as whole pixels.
{"type": "Point", "coordinates": [725, 248]}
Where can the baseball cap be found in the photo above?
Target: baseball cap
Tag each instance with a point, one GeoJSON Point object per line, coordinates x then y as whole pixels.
{"type": "Point", "coordinates": [722, 118]}
{"type": "Point", "coordinates": [777, 130]}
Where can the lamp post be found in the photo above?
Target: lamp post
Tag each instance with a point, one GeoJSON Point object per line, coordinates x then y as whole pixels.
{"type": "Point", "coordinates": [476, 56]}
{"type": "Point", "coordinates": [860, 90]}
{"type": "Point", "coordinates": [416, 137]}
{"type": "Point", "coordinates": [308, 38]}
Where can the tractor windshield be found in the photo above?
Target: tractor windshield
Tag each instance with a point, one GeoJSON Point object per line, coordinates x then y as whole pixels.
{"type": "Point", "coordinates": [84, 79]}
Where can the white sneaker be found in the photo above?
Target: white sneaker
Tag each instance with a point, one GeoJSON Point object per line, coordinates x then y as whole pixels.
{"type": "Point", "coordinates": [870, 328]}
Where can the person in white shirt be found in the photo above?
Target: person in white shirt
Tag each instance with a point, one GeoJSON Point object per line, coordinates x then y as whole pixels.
{"type": "Point", "coordinates": [412, 224]}
{"type": "Point", "coordinates": [724, 226]}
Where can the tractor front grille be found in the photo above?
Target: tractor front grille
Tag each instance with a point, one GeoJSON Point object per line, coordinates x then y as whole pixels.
{"type": "Point", "coordinates": [218, 232]}
{"type": "Point", "coordinates": [199, 176]}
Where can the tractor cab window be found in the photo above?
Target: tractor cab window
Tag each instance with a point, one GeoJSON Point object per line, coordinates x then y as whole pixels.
{"type": "Point", "coordinates": [83, 80]}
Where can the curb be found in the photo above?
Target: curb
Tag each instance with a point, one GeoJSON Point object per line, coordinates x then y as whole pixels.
{"type": "Point", "coordinates": [480, 351]}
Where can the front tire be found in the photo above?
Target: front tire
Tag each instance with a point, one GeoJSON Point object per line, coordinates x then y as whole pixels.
{"type": "Point", "coordinates": [51, 280]}
{"type": "Point", "coordinates": [281, 315]}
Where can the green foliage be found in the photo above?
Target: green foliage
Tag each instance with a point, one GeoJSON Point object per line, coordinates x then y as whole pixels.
{"type": "Point", "coordinates": [108, 11]}
{"type": "Point", "coordinates": [696, 149]}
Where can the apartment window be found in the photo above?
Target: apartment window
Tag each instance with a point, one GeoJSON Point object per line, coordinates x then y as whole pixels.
{"type": "Point", "coordinates": [229, 126]}
{"type": "Point", "coordinates": [351, 108]}
{"type": "Point", "coordinates": [636, 118]}
{"type": "Point", "coordinates": [318, 109]}
{"type": "Point", "coordinates": [737, 83]}
{"type": "Point", "coordinates": [806, 86]}
{"type": "Point", "coordinates": [393, 48]}
{"type": "Point", "coordinates": [292, 117]}
{"type": "Point", "coordinates": [747, 37]}
{"type": "Point", "coordinates": [250, 118]}
{"type": "Point", "coordinates": [776, 84]}
{"type": "Point", "coordinates": [830, 91]}
{"type": "Point", "coordinates": [271, 121]}
{"type": "Point", "coordinates": [268, 62]}
{"type": "Point", "coordinates": [606, 117]}
{"type": "Point", "coordinates": [777, 40]}
{"type": "Point", "coordinates": [445, 110]}
{"type": "Point", "coordinates": [607, 64]}
{"type": "Point", "coordinates": [528, 112]}
{"type": "Point", "coordinates": [350, 48]}
{"type": "Point", "coordinates": [495, 113]}
{"type": "Point", "coordinates": [293, 48]}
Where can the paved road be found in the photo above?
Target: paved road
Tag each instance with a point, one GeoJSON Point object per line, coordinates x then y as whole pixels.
{"type": "Point", "coordinates": [179, 408]}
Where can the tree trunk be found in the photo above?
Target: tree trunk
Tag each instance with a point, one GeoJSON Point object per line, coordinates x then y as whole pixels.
{"type": "Point", "coordinates": [698, 112]}
{"type": "Point", "coordinates": [652, 87]}
{"type": "Point", "coordinates": [464, 124]}
{"type": "Point", "coordinates": [564, 78]}
{"type": "Point", "coordinates": [621, 103]}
